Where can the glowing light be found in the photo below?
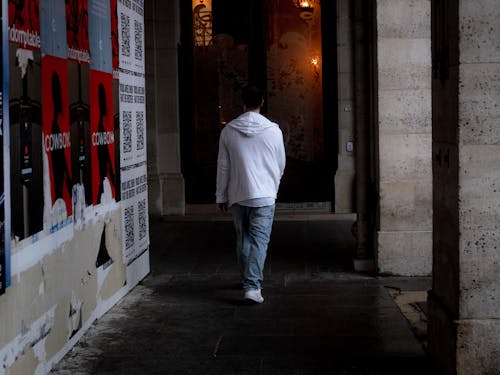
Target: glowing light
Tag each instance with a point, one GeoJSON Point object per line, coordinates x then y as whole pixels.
{"type": "Point", "coordinates": [315, 61]}
{"type": "Point", "coordinates": [306, 5]}
{"type": "Point", "coordinates": [306, 9]}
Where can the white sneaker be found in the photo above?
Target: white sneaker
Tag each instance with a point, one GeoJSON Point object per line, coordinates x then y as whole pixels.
{"type": "Point", "coordinates": [254, 295]}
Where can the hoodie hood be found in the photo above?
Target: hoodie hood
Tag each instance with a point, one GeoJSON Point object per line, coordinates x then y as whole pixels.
{"type": "Point", "coordinates": [251, 123]}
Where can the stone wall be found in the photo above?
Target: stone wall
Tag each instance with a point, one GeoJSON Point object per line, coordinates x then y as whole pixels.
{"type": "Point", "coordinates": [166, 183]}
{"type": "Point", "coordinates": [464, 310]}
{"type": "Point", "coordinates": [404, 236]}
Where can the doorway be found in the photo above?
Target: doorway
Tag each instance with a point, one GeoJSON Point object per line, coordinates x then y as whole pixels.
{"type": "Point", "coordinates": [280, 46]}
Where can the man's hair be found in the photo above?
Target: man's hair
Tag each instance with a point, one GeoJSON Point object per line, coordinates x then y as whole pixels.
{"type": "Point", "coordinates": [252, 97]}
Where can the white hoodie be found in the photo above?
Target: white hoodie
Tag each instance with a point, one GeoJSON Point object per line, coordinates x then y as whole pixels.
{"type": "Point", "coordinates": [251, 159]}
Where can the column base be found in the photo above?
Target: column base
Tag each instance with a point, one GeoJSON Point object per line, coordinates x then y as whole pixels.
{"type": "Point", "coordinates": [404, 253]}
{"type": "Point", "coordinates": [166, 195]}
{"type": "Point", "coordinates": [442, 334]}
{"type": "Point", "coordinates": [462, 346]}
{"type": "Point", "coordinates": [364, 265]}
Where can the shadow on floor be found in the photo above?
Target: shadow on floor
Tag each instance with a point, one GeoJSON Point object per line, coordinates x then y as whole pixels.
{"type": "Point", "coordinates": [187, 316]}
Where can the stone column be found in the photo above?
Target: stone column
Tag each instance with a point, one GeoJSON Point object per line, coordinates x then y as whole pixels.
{"type": "Point", "coordinates": [166, 183]}
{"type": "Point", "coordinates": [345, 174]}
{"type": "Point", "coordinates": [464, 303]}
{"type": "Point", "coordinates": [363, 16]}
{"type": "Point", "coordinates": [404, 237]}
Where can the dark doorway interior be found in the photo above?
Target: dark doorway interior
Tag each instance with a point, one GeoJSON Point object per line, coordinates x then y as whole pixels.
{"type": "Point", "coordinates": [276, 46]}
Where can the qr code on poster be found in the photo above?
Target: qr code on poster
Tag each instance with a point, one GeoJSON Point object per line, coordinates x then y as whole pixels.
{"type": "Point", "coordinates": [143, 225]}
{"type": "Point", "coordinates": [139, 121]}
{"type": "Point", "coordinates": [127, 131]}
{"type": "Point", "coordinates": [125, 27]}
{"type": "Point", "coordinates": [139, 35]}
{"type": "Point", "coordinates": [129, 227]}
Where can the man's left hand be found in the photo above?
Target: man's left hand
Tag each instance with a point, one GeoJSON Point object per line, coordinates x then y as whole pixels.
{"type": "Point", "coordinates": [222, 207]}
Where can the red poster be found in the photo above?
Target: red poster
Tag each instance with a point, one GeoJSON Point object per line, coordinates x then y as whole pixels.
{"type": "Point", "coordinates": [102, 137]}
{"type": "Point", "coordinates": [114, 34]}
{"type": "Point", "coordinates": [24, 23]}
{"type": "Point", "coordinates": [56, 129]}
{"type": "Point", "coordinates": [77, 24]}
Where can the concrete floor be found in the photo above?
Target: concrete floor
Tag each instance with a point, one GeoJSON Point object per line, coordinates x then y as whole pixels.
{"type": "Point", "coordinates": [319, 317]}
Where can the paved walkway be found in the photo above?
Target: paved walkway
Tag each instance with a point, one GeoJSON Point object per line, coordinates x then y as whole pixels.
{"type": "Point", "coordinates": [188, 317]}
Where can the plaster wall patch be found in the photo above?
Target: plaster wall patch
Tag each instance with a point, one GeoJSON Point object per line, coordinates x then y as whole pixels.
{"type": "Point", "coordinates": [31, 336]}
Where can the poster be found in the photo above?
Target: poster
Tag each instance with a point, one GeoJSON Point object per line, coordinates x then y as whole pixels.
{"type": "Point", "coordinates": [52, 28]}
{"type": "Point", "coordinates": [100, 35]}
{"type": "Point", "coordinates": [79, 118]}
{"type": "Point", "coordinates": [135, 212]}
{"type": "Point", "coordinates": [56, 141]}
{"type": "Point", "coordinates": [56, 136]}
{"type": "Point", "coordinates": [26, 174]}
{"type": "Point", "coordinates": [132, 103]}
{"type": "Point", "coordinates": [77, 24]}
{"type": "Point", "coordinates": [65, 119]}
{"type": "Point", "coordinates": [102, 137]}
{"type": "Point", "coordinates": [132, 96]}
{"type": "Point", "coordinates": [4, 252]}
{"type": "Point", "coordinates": [116, 118]}
{"type": "Point", "coordinates": [3, 278]}
{"type": "Point", "coordinates": [116, 87]}
{"type": "Point", "coordinates": [24, 23]}
{"type": "Point", "coordinates": [131, 35]}
{"type": "Point", "coordinates": [114, 37]}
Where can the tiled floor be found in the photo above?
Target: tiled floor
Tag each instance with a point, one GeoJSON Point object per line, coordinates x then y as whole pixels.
{"type": "Point", "coordinates": [188, 317]}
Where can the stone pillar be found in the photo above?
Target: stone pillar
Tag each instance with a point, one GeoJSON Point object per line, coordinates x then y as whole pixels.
{"type": "Point", "coordinates": [464, 306]}
{"type": "Point", "coordinates": [345, 175]}
{"type": "Point", "coordinates": [166, 183]}
{"type": "Point", "coordinates": [404, 237]}
{"type": "Point", "coordinates": [363, 16]}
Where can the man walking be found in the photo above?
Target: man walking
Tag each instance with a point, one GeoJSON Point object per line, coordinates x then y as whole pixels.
{"type": "Point", "coordinates": [250, 165]}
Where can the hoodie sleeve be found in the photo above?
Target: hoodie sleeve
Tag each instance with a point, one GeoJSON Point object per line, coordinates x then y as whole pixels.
{"type": "Point", "coordinates": [223, 164]}
{"type": "Point", "coordinates": [281, 154]}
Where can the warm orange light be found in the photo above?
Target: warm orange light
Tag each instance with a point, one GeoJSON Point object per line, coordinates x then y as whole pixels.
{"type": "Point", "coordinates": [305, 5]}
{"type": "Point", "coordinates": [306, 8]}
{"type": "Point", "coordinates": [315, 61]}
{"type": "Point", "coordinates": [207, 4]}
{"type": "Point", "coordinates": [202, 22]}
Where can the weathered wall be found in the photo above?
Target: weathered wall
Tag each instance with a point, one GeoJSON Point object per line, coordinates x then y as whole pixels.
{"type": "Point", "coordinates": [464, 309]}
{"type": "Point", "coordinates": [404, 139]}
{"type": "Point", "coordinates": [69, 262]}
{"type": "Point", "coordinates": [59, 288]}
{"type": "Point", "coordinates": [166, 183]}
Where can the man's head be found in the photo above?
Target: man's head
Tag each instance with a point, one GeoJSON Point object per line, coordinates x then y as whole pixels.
{"type": "Point", "coordinates": [253, 98]}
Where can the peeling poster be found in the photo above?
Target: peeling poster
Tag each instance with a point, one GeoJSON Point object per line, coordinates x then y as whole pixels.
{"type": "Point", "coordinates": [3, 253]}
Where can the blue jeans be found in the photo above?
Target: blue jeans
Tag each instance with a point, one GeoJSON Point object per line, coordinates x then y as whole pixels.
{"type": "Point", "coordinates": [253, 230]}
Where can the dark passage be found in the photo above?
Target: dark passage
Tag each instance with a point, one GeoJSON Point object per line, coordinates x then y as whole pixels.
{"type": "Point", "coordinates": [187, 316]}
